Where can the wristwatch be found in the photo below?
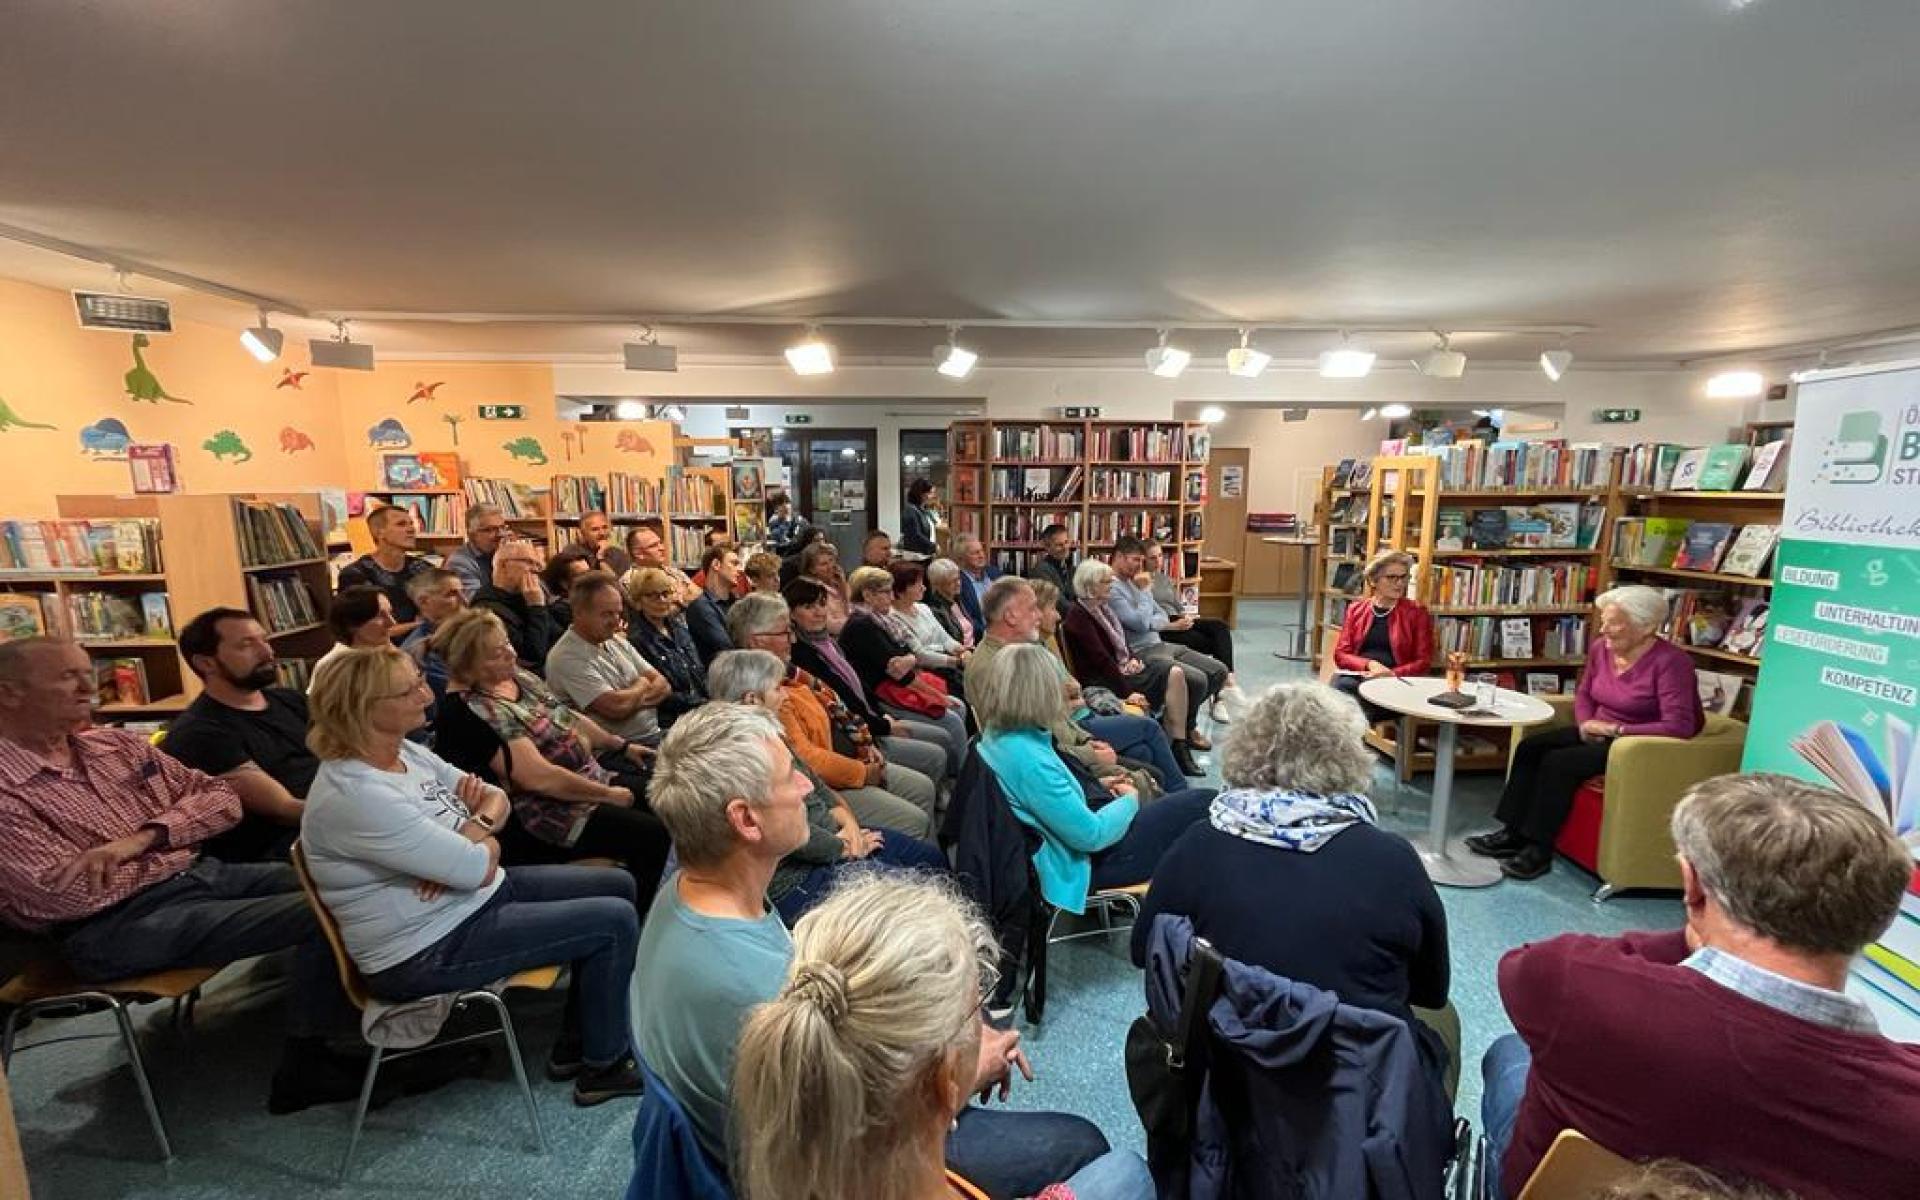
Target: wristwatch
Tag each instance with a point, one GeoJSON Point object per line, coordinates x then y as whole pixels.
{"type": "Point", "coordinates": [483, 821]}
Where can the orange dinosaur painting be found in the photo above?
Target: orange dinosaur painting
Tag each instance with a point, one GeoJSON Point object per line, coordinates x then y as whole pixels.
{"type": "Point", "coordinates": [290, 378]}
{"type": "Point", "coordinates": [424, 391]}
{"type": "Point", "coordinates": [292, 441]}
{"type": "Point", "coordinates": [632, 442]}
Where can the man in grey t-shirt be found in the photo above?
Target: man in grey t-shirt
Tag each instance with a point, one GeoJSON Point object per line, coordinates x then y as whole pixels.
{"type": "Point", "coordinates": [596, 670]}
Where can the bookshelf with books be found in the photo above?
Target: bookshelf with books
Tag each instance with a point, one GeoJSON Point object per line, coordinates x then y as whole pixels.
{"type": "Point", "coordinates": [699, 499]}
{"type": "Point", "coordinates": [440, 513]}
{"type": "Point", "coordinates": [526, 510]}
{"type": "Point", "coordinates": [1103, 480]}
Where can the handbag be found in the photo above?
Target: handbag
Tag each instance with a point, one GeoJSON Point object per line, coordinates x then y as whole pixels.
{"type": "Point", "coordinates": [1163, 1073]}
{"type": "Point", "coordinates": [916, 699]}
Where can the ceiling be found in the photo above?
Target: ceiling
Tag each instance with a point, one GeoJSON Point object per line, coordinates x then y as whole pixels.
{"type": "Point", "coordinates": [1688, 177]}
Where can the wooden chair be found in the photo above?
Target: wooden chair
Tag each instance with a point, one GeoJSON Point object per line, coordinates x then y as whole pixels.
{"type": "Point", "coordinates": [45, 987]}
{"type": "Point", "coordinates": [355, 985]}
{"type": "Point", "coordinates": [13, 1165]}
{"type": "Point", "coordinates": [1575, 1168]}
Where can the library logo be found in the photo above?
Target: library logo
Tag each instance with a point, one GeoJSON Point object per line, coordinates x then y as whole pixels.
{"type": "Point", "coordinates": [1855, 454]}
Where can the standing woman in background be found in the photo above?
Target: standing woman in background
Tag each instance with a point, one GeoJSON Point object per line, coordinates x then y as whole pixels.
{"type": "Point", "coordinates": [916, 520]}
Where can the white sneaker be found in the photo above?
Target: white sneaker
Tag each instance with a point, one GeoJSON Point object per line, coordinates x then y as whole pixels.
{"type": "Point", "coordinates": [1236, 702]}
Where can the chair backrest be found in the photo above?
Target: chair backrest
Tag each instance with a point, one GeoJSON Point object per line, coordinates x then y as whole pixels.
{"type": "Point", "coordinates": [351, 981]}
{"type": "Point", "coordinates": [1575, 1168]}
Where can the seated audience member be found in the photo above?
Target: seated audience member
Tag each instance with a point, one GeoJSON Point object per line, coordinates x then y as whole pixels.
{"type": "Point", "coordinates": [1384, 632]}
{"type": "Point", "coordinates": [401, 846]}
{"type": "Point", "coordinates": [596, 670]}
{"type": "Point", "coordinates": [819, 561]}
{"type": "Point", "coordinates": [848, 1081]}
{"type": "Point", "coordinates": [594, 537]}
{"type": "Point", "coordinates": [1732, 1043]}
{"type": "Point", "coordinates": [711, 949]}
{"type": "Point", "coordinates": [660, 633]}
{"type": "Point", "coordinates": [1294, 833]}
{"type": "Point", "coordinates": [1131, 602]}
{"type": "Point", "coordinates": [437, 594]}
{"type": "Point", "coordinates": [781, 525]}
{"type": "Point", "coordinates": [943, 601]}
{"type": "Point", "coordinates": [1092, 835]}
{"type": "Point", "coordinates": [103, 836]}
{"type": "Point", "coordinates": [502, 724]}
{"type": "Point", "coordinates": [817, 653]}
{"type": "Point", "coordinates": [245, 730]}
{"type": "Point", "coordinates": [836, 840]}
{"type": "Point", "coordinates": [392, 561]}
{"type": "Point", "coordinates": [1017, 611]}
{"type": "Point", "coordinates": [1056, 564]}
{"type": "Point", "coordinates": [976, 575]}
{"type": "Point", "coordinates": [707, 616]}
{"type": "Point", "coordinates": [472, 560]}
{"type": "Point", "coordinates": [1671, 1179]}
{"type": "Point", "coordinates": [933, 647]}
{"type": "Point", "coordinates": [1635, 683]}
{"type": "Point", "coordinates": [879, 644]}
{"type": "Point", "coordinates": [557, 577]}
{"type": "Point", "coordinates": [359, 618]}
{"type": "Point", "coordinates": [1207, 635]}
{"type": "Point", "coordinates": [827, 736]}
{"type": "Point", "coordinates": [876, 550]}
{"type": "Point", "coordinates": [1098, 646]}
{"type": "Point", "coordinates": [917, 522]}
{"type": "Point", "coordinates": [763, 572]}
{"type": "Point", "coordinates": [647, 545]}
{"type": "Point", "coordinates": [518, 599]}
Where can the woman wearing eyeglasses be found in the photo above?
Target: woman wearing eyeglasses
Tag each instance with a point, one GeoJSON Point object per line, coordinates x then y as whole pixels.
{"type": "Point", "coordinates": [663, 639]}
{"type": "Point", "coordinates": [1385, 632]}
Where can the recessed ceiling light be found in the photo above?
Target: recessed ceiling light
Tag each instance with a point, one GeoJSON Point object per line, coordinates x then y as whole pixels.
{"type": "Point", "coordinates": [811, 356]}
{"type": "Point", "coordinates": [1168, 361]}
{"type": "Point", "coordinates": [1246, 362]}
{"type": "Point", "coordinates": [1555, 363]}
{"type": "Point", "coordinates": [1735, 385]}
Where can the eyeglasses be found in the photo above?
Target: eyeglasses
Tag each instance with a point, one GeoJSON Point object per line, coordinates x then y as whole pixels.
{"type": "Point", "coordinates": [1401, 577]}
{"type": "Point", "coordinates": [656, 594]}
{"type": "Point", "coordinates": [989, 981]}
{"type": "Point", "coordinates": [776, 633]}
{"type": "Point", "coordinates": [419, 681]}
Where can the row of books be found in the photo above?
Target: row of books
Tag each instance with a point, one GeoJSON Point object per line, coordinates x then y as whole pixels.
{"type": "Point", "coordinates": [693, 495]}
{"type": "Point", "coordinates": [514, 500]}
{"type": "Point", "coordinates": [686, 543]}
{"type": "Point", "coordinates": [1512, 637]}
{"type": "Point", "coordinates": [1025, 524]}
{"type": "Point", "coordinates": [293, 673]}
{"type": "Point", "coordinates": [112, 616]}
{"type": "Point", "coordinates": [1716, 620]}
{"type": "Point", "coordinates": [130, 546]}
{"type": "Point", "coordinates": [1475, 584]}
{"type": "Point", "coordinates": [1690, 545]}
{"type": "Point", "coordinates": [440, 516]}
{"type": "Point", "coordinates": [27, 614]}
{"type": "Point", "coordinates": [121, 681]}
{"type": "Point", "coordinates": [1150, 443]}
{"type": "Point", "coordinates": [1106, 526]}
{"type": "Point", "coordinates": [1547, 525]}
{"type": "Point", "coordinates": [1553, 463]}
{"type": "Point", "coordinates": [1110, 484]}
{"type": "Point", "coordinates": [272, 532]}
{"type": "Point", "coordinates": [1352, 473]}
{"type": "Point", "coordinates": [1045, 441]}
{"type": "Point", "coordinates": [281, 602]}
{"type": "Point", "coordinates": [1668, 467]}
{"type": "Point", "coordinates": [635, 494]}
{"type": "Point", "coordinates": [1057, 484]}
{"type": "Point", "coordinates": [1193, 526]}
{"type": "Point", "coordinates": [576, 494]}
{"type": "Point", "coordinates": [1349, 510]}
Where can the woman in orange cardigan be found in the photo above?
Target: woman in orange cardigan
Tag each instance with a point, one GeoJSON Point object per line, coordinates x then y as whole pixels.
{"type": "Point", "coordinates": [1384, 632]}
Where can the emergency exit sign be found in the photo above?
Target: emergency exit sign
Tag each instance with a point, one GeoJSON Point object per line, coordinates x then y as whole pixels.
{"type": "Point", "coordinates": [1081, 413]}
{"type": "Point", "coordinates": [799, 419]}
{"type": "Point", "coordinates": [1616, 416]}
{"type": "Point", "coordinates": [503, 412]}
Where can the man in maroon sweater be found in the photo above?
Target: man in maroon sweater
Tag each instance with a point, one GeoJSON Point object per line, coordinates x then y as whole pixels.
{"type": "Point", "coordinates": [1730, 1044]}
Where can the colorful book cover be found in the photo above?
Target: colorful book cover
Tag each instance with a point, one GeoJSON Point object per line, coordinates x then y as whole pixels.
{"type": "Point", "coordinates": [1710, 617]}
{"type": "Point", "coordinates": [155, 615]}
{"type": "Point", "coordinates": [1748, 633]}
{"type": "Point", "coordinates": [1769, 470]}
{"type": "Point", "coordinates": [1686, 470]}
{"type": "Point", "coordinates": [442, 468]}
{"type": "Point", "coordinates": [1552, 526]}
{"type": "Point", "coordinates": [1660, 540]}
{"type": "Point", "coordinates": [1721, 470]}
{"type": "Point", "coordinates": [1703, 546]}
{"type": "Point", "coordinates": [1751, 549]}
{"type": "Point", "coordinates": [1719, 690]}
{"type": "Point", "coordinates": [20, 616]}
{"type": "Point", "coordinates": [1543, 683]}
{"type": "Point", "coordinates": [1488, 530]}
{"type": "Point", "coordinates": [1516, 637]}
{"type": "Point", "coordinates": [153, 469]}
{"type": "Point", "coordinates": [747, 481]}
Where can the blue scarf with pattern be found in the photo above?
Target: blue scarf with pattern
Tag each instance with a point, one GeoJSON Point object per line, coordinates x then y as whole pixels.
{"type": "Point", "coordinates": [1288, 819]}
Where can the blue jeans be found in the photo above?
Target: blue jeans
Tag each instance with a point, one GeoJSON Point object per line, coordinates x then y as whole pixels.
{"type": "Point", "coordinates": [949, 732]}
{"type": "Point", "coordinates": [1160, 823]}
{"type": "Point", "coordinates": [1139, 738]}
{"type": "Point", "coordinates": [1504, 1072]}
{"type": "Point", "coordinates": [539, 917]}
{"type": "Point", "coordinates": [1008, 1154]}
{"type": "Point", "coordinates": [897, 850]}
{"type": "Point", "coordinates": [1115, 1175]}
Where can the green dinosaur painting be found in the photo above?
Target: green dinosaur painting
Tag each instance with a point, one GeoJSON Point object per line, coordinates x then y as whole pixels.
{"type": "Point", "coordinates": [142, 383]}
{"type": "Point", "coordinates": [227, 445]}
{"type": "Point", "coordinates": [13, 420]}
{"type": "Point", "coordinates": [526, 449]}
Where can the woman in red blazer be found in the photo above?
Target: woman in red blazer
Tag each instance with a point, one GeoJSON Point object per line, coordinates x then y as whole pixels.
{"type": "Point", "coordinates": [1384, 632]}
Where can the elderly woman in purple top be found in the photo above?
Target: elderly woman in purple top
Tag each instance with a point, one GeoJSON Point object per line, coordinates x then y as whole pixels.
{"type": "Point", "coordinates": [1635, 682]}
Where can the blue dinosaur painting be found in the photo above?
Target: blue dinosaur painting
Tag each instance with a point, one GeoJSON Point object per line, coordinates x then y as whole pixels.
{"type": "Point", "coordinates": [389, 433]}
{"type": "Point", "coordinates": [105, 438]}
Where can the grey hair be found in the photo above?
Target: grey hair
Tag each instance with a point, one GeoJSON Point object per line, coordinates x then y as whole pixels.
{"type": "Point", "coordinates": [753, 613]}
{"type": "Point", "coordinates": [1802, 866]}
{"type": "Point", "coordinates": [1642, 605]}
{"type": "Point", "coordinates": [480, 512]}
{"type": "Point", "coordinates": [736, 673]}
{"type": "Point", "coordinates": [962, 541]}
{"type": "Point", "coordinates": [16, 656]}
{"type": "Point", "coordinates": [831, 1082]}
{"type": "Point", "coordinates": [1302, 736]}
{"type": "Point", "coordinates": [714, 755]}
{"type": "Point", "coordinates": [1383, 560]}
{"type": "Point", "coordinates": [1020, 689]}
{"type": "Point", "coordinates": [1001, 593]}
{"type": "Point", "coordinates": [942, 570]}
{"type": "Point", "coordinates": [1089, 575]}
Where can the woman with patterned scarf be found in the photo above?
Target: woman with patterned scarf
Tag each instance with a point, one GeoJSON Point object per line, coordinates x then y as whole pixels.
{"type": "Point", "coordinates": [1292, 873]}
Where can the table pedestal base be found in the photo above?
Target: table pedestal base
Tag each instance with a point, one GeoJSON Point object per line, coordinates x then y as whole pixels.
{"type": "Point", "coordinates": [1449, 863]}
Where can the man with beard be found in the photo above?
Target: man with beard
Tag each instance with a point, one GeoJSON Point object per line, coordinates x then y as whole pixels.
{"type": "Point", "coordinates": [245, 730]}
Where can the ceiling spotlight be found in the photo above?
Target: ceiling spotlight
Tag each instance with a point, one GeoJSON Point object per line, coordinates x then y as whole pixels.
{"type": "Point", "coordinates": [1370, 414]}
{"type": "Point", "coordinates": [648, 354]}
{"type": "Point", "coordinates": [341, 351]}
{"type": "Point", "coordinates": [811, 355]}
{"type": "Point", "coordinates": [670, 412]}
{"type": "Point", "coordinates": [1213, 414]}
{"type": "Point", "coordinates": [1168, 361]}
{"type": "Point", "coordinates": [952, 359]}
{"type": "Point", "coordinates": [1246, 362]}
{"type": "Point", "coordinates": [1345, 361]}
{"type": "Point", "coordinates": [1441, 362]}
{"type": "Point", "coordinates": [1556, 362]}
{"type": "Point", "coordinates": [1395, 412]}
{"type": "Point", "coordinates": [630, 410]}
{"type": "Point", "coordinates": [263, 341]}
{"type": "Point", "coordinates": [1735, 385]}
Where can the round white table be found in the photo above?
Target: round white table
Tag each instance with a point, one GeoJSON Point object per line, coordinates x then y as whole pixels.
{"type": "Point", "coordinates": [1449, 862]}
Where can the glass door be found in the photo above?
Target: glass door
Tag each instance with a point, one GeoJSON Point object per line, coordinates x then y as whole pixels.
{"type": "Point", "coordinates": [834, 478]}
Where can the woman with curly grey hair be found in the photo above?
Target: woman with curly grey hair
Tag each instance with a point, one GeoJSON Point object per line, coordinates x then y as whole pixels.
{"type": "Point", "coordinates": [1290, 871]}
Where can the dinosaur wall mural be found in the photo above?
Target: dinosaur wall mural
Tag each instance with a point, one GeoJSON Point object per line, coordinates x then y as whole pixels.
{"type": "Point", "coordinates": [142, 383]}
{"type": "Point", "coordinates": [106, 438]}
{"type": "Point", "coordinates": [631, 441]}
{"type": "Point", "coordinates": [292, 440]}
{"type": "Point", "coordinates": [527, 450]}
{"type": "Point", "coordinates": [424, 391]}
{"type": "Point", "coordinates": [390, 434]}
{"type": "Point", "coordinates": [13, 420]}
{"type": "Point", "coordinates": [290, 378]}
{"type": "Point", "coordinates": [227, 446]}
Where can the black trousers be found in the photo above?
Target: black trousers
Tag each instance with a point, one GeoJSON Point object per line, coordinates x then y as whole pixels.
{"type": "Point", "coordinates": [633, 837]}
{"type": "Point", "coordinates": [1209, 635]}
{"type": "Point", "coordinates": [1350, 684]}
{"type": "Point", "coordinates": [1548, 769]}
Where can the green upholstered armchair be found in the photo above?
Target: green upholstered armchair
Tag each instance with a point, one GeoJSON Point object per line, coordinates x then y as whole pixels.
{"type": "Point", "coordinates": [1618, 828]}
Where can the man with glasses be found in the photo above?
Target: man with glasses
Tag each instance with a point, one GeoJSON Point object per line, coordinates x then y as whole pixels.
{"type": "Point", "coordinates": [648, 546]}
{"type": "Point", "coordinates": [517, 598]}
{"type": "Point", "coordinates": [473, 561]}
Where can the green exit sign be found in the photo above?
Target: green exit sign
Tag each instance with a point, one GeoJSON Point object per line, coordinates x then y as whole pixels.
{"type": "Point", "coordinates": [1616, 416]}
{"type": "Point", "coordinates": [503, 412]}
{"type": "Point", "coordinates": [799, 419]}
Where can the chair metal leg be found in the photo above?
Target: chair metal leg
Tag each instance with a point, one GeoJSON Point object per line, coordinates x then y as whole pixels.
{"type": "Point", "coordinates": [360, 1113]}
{"type": "Point", "coordinates": [132, 1042]}
{"type": "Point", "coordinates": [512, 1039]}
{"type": "Point", "coordinates": [1603, 894]}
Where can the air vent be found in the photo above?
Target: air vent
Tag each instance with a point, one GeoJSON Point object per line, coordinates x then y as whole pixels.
{"type": "Point", "coordinates": [129, 314]}
{"type": "Point", "coordinates": [1293, 414]}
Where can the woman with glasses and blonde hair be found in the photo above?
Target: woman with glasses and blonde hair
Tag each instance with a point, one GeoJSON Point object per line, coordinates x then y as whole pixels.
{"type": "Point", "coordinates": [1385, 632]}
{"type": "Point", "coordinates": [848, 1081]}
{"type": "Point", "coordinates": [403, 849]}
{"type": "Point", "coordinates": [661, 636]}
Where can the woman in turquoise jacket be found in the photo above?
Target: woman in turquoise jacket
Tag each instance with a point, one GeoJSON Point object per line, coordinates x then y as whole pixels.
{"type": "Point", "coordinates": [1092, 835]}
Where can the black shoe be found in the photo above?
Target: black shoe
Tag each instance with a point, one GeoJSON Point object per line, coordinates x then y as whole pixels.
{"type": "Point", "coordinates": [309, 1074]}
{"type": "Point", "coordinates": [1503, 843]}
{"type": "Point", "coordinates": [1530, 863]}
{"type": "Point", "coordinates": [1183, 757]}
{"type": "Point", "coordinates": [435, 1068]}
{"type": "Point", "coordinates": [567, 1058]}
{"type": "Point", "coordinates": [597, 1085]}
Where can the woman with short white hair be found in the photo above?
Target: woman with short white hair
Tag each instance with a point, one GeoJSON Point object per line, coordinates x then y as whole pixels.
{"type": "Point", "coordinates": [1635, 684]}
{"type": "Point", "coordinates": [1097, 646]}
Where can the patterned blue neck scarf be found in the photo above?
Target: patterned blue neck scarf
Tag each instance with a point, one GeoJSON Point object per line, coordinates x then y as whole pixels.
{"type": "Point", "coordinates": [1288, 819]}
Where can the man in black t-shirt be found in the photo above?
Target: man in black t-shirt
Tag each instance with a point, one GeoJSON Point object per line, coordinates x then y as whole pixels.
{"type": "Point", "coordinates": [245, 730]}
{"type": "Point", "coordinates": [391, 564]}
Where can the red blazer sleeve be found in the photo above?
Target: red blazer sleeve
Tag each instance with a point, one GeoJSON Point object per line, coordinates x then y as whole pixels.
{"type": "Point", "coordinates": [1353, 630]}
{"type": "Point", "coordinates": [1093, 660]}
{"type": "Point", "coordinates": [1413, 648]}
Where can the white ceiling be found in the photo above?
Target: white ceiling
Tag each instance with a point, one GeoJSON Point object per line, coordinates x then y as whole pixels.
{"type": "Point", "coordinates": [1687, 176]}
